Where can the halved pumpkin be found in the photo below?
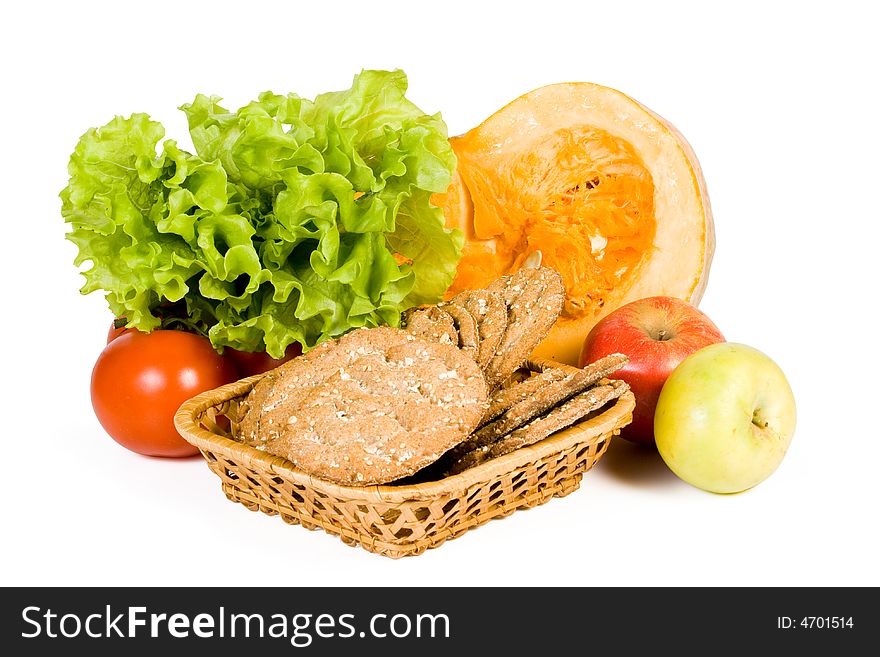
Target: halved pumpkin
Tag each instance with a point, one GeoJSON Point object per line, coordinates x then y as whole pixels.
{"type": "Point", "coordinates": [609, 192]}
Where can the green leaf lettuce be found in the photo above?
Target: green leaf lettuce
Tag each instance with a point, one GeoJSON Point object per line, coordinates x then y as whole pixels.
{"type": "Point", "coordinates": [293, 221]}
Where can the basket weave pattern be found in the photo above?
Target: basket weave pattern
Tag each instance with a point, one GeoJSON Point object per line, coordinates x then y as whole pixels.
{"type": "Point", "coordinates": [402, 520]}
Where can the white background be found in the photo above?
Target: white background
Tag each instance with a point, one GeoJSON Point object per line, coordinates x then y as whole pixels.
{"type": "Point", "coordinates": [779, 101]}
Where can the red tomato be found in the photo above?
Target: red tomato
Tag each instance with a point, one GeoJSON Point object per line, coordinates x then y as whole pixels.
{"type": "Point", "coordinates": [114, 332]}
{"type": "Point", "coordinates": [141, 379]}
{"type": "Point", "coordinates": [257, 362]}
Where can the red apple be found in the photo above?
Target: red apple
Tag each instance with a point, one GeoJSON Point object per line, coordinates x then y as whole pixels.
{"type": "Point", "coordinates": [656, 333]}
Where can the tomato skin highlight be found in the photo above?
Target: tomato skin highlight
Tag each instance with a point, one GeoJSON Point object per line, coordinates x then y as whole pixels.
{"type": "Point", "coordinates": [141, 379]}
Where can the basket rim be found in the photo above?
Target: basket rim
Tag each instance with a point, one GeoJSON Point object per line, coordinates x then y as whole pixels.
{"type": "Point", "coordinates": [587, 432]}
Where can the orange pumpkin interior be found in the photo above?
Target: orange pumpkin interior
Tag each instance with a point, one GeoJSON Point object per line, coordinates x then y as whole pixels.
{"type": "Point", "coordinates": [604, 188]}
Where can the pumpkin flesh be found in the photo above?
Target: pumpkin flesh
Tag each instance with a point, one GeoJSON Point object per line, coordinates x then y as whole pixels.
{"type": "Point", "coordinates": [607, 191]}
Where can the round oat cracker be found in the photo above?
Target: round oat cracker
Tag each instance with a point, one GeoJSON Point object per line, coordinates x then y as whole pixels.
{"type": "Point", "coordinates": [371, 407]}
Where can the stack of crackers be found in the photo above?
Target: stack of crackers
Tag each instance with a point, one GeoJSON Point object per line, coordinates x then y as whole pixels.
{"type": "Point", "coordinates": [444, 393]}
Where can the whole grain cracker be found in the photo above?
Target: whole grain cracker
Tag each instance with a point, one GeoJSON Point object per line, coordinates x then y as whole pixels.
{"type": "Point", "coordinates": [528, 407]}
{"type": "Point", "coordinates": [561, 417]}
{"type": "Point", "coordinates": [503, 398]}
{"type": "Point", "coordinates": [466, 325]}
{"type": "Point", "coordinates": [534, 299]}
{"type": "Point", "coordinates": [249, 411]}
{"type": "Point", "coordinates": [431, 323]}
{"type": "Point", "coordinates": [490, 313]}
{"type": "Point", "coordinates": [373, 406]}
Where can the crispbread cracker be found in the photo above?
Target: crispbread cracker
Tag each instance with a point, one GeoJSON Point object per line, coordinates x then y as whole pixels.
{"type": "Point", "coordinates": [527, 408]}
{"type": "Point", "coordinates": [534, 299]}
{"type": "Point", "coordinates": [561, 417]}
{"type": "Point", "coordinates": [431, 323]}
{"type": "Point", "coordinates": [466, 325]}
{"type": "Point", "coordinates": [373, 406]}
{"type": "Point", "coordinates": [250, 411]}
{"type": "Point", "coordinates": [490, 313]}
{"type": "Point", "coordinates": [506, 397]}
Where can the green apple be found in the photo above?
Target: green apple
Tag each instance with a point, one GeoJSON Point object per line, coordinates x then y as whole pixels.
{"type": "Point", "coordinates": [725, 418]}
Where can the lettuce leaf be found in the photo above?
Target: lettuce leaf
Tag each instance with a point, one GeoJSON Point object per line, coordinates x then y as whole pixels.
{"type": "Point", "coordinates": [293, 221]}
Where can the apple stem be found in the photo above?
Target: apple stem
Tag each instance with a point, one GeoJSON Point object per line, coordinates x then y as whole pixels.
{"type": "Point", "coordinates": [758, 421]}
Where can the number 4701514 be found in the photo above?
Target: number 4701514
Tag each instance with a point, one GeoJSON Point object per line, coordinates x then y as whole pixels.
{"type": "Point", "coordinates": [816, 622]}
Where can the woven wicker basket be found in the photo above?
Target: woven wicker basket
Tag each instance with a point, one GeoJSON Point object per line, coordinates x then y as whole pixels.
{"type": "Point", "coordinates": [394, 520]}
